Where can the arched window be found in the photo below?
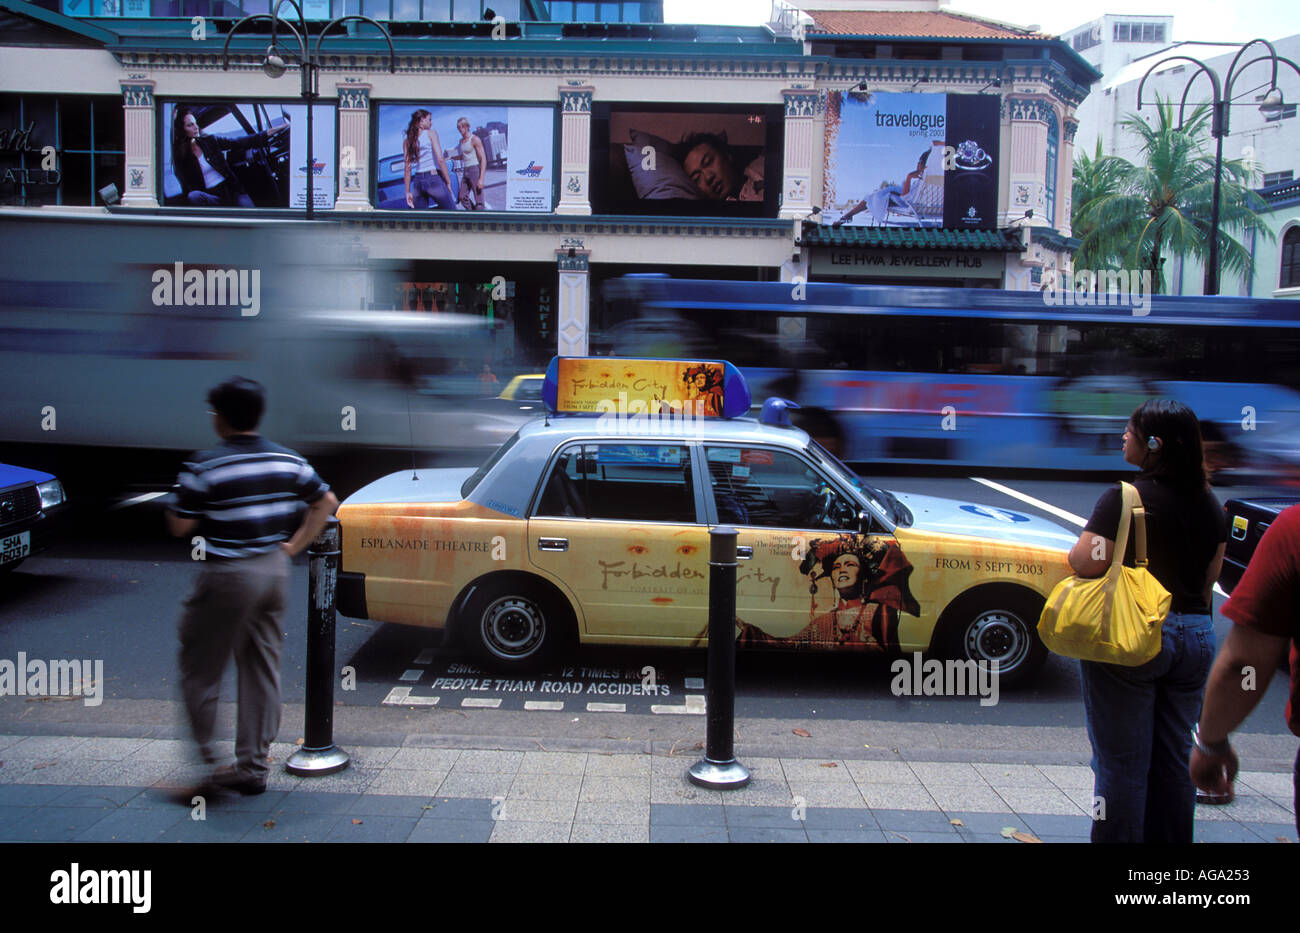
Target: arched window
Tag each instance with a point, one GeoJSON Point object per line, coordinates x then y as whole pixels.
{"type": "Point", "coordinates": [1053, 147]}
{"type": "Point", "coordinates": [1289, 275]}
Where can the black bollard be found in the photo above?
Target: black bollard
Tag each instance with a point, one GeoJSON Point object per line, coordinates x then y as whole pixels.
{"type": "Point", "coordinates": [719, 769]}
{"type": "Point", "coordinates": [318, 755]}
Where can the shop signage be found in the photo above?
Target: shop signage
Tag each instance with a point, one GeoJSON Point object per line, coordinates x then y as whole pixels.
{"type": "Point", "coordinates": [913, 263]}
{"type": "Point", "coordinates": [15, 141]}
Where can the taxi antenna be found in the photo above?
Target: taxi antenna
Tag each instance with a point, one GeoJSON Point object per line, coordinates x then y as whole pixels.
{"type": "Point", "coordinates": [410, 425]}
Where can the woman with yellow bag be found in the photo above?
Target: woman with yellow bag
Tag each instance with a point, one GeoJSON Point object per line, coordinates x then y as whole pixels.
{"type": "Point", "coordinates": [1140, 718]}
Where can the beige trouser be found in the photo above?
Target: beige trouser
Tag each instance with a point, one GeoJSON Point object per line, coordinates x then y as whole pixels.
{"type": "Point", "coordinates": [236, 607]}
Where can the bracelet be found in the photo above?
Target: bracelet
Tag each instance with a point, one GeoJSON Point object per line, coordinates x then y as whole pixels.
{"type": "Point", "coordinates": [1217, 749]}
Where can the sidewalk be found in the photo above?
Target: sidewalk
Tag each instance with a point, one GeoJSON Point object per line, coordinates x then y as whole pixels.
{"type": "Point", "coordinates": [58, 788]}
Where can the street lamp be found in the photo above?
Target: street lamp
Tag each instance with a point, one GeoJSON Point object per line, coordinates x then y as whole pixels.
{"type": "Point", "coordinates": [308, 62]}
{"type": "Point", "coordinates": [1222, 100]}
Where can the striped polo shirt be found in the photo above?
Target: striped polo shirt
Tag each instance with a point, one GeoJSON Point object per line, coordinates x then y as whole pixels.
{"type": "Point", "coordinates": [248, 494]}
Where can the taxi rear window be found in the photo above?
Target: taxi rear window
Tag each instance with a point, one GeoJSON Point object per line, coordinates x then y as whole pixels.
{"type": "Point", "coordinates": [468, 486]}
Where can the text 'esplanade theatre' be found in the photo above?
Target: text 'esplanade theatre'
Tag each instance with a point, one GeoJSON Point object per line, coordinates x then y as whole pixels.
{"type": "Point", "coordinates": [506, 158]}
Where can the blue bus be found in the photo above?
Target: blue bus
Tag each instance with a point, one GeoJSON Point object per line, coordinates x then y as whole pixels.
{"type": "Point", "coordinates": [982, 377]}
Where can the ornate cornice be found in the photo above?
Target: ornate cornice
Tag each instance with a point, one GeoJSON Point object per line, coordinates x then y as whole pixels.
{"type": "Point", "coordinates": [803, 102]}
{"type": "Point", "coordinates": [1028, 108]}
{"type": "Point", "coordinates": [354, 96]}
{"type": "Point", "coordinates": [576, 101]}
{"type": "Point", "coordinates": [569, 227]}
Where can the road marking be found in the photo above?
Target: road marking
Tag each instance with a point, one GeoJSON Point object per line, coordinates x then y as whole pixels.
{"type": "Point", "coordinates": [1037, 503]}
{"type": "Point", "coordinates": [694, 706]}
{"type": "Point", "coordinates": [137, 500]}
{"type": "Point", "coordinates": [426, 657]}
{"type": "Point", "coordinates": [401, 696]}
{"type": "Point", "coordinates": [411, 675]}
{"type": "Point", "coordinates": [543, 704]}
{"type": "Point", "coordinates": [607, 707]}
{"type": "Point", "coordinates": [481, 702]}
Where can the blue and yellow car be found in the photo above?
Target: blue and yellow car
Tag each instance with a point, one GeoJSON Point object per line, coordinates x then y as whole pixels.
{"type": "Point", "coordinates": [591, 525]}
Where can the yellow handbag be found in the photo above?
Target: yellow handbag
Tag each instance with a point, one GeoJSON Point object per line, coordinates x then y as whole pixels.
{"type": "Point", "coordinates": [1115, 618]}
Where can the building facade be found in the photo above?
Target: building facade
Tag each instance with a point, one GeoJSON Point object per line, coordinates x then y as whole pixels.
{"type": "Point", "coordinates": [494, 161]}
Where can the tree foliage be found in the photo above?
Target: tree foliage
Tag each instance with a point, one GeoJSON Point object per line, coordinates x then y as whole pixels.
{"type": "Point", "coordinates": [1133, 215]}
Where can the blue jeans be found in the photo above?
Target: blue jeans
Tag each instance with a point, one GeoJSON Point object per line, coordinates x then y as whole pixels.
{"type": "Point", "coordinates": [1140, 725]}
{"type": "Point", "coordinates": [428, 189]}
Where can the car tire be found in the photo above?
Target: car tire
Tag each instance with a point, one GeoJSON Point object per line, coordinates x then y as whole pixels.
{"type": "Point", "coordinates": [997, 623]}
{"type": "Point", "coordinates": [514, 626]}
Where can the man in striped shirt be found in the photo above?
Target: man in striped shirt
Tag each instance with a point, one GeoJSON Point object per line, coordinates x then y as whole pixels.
{"type": "Point", "coordinates": [256, 505]}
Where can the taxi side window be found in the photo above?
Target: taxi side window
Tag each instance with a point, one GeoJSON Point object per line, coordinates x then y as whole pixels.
{"type": "Point", "coordinates": [771, 489]}
{"type": "Point", "coordinates": [621, 482]}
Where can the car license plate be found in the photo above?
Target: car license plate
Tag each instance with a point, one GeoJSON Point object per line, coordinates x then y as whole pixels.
{"type": "Point", "coordinates": [15, 547]}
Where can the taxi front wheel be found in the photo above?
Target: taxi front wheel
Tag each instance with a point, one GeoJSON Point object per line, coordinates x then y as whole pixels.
{"type": "Point", "coordinates": [513, 627]}
{"type": "Point", "coordinates": [997, 623]}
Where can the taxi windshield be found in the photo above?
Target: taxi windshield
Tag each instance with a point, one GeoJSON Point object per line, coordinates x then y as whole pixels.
{"type": "Point", "coordinates": [882, 499]}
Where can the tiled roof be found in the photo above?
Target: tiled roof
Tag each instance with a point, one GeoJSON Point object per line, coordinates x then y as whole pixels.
{"type": "Point", "coordinates": [938, 24]}
{"type": "Point", "coordinates": [910, 238]}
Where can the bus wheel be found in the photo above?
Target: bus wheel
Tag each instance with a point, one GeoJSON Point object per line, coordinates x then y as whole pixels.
{"type": "Point", "coordinates": [997, 623]}
{"type": "Point", "coordinates": [513, 626]}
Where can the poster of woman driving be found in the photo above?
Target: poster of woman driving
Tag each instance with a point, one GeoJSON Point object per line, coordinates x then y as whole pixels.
{"type": "Point", "coordinates": [227, 154]}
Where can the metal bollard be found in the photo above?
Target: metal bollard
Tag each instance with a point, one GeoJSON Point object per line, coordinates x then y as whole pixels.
{"type": "Point", "coordinates": [319, 755]}
{"type": "Point", "coordinates": [719, 769]}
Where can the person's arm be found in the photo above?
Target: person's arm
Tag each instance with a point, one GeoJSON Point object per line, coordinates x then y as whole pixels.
{"type": "Point", "coordinates": [437, 154]}
{"type": "Point", "coordinates": [482, 163]}
{"type": "Point", "coordinates": [312, 523]}
{"type": "Point", "coordinates": [406, 174]}
{"type": "Point", "coordinates": [1084, 556]}
{"type": "Point", "coordinates": [1228, 702]}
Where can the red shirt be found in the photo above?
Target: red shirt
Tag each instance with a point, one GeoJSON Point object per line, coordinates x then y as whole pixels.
{"type": "Point", "coordinates": [1268, 597]}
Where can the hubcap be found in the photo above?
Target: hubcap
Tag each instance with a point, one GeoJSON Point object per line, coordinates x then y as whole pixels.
{"type": "Point", "coordinates": [998, 635]}
{"type": "Point", "coordinates": [513, 627]}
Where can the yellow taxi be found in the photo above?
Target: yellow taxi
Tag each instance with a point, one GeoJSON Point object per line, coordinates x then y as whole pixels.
{"type": "Point", "coordinates": [591, 524]}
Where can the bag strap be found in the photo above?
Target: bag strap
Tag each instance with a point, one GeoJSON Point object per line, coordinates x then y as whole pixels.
{"type": "Point", "coordinates": [1128, 493]}
{"type": "Point", "coordinates": [1139, 530]}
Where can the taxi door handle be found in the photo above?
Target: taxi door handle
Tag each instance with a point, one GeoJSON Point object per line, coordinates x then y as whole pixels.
{"type": "Point", "coordinates": [744, 553]}
{"type": "Point", "coordinates": [552, 544]}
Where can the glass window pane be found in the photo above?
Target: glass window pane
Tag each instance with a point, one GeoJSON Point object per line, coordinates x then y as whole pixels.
{"type": "Point", "coordinates": [562, 11]}
{"type": "Point", "coordinates": [507, 8]}
{"type": "Point", "coordinates": [109, 123]}
{"type": "Point", "coordinates": [108, 171]}
{"type": "Point", "coordinates": [771, 489]}
{"type": "Point", "coordinates": [631, 12]}
{"type": "Point", "coordinates": [78, 7]}
{"type": "Point", "coordinates": [375, 9]}
{"type": "Point", "coordinates": [74, 117]}
{"type": "Point", "coordinates": [641, 483]}
{"type": "Point", "coordinates": [74, 178]}
{"type": "Point", "coordinates": [38, 112]}
{"type": "Point", "coordinates": [437, 11]}
{"type": "Point", "coordinates": [407, 11]}
{"type": "Point", "coordinates": [165, 7]}
{"type": "Point", "coordinates": [609, 12]}
{"type": "Point", "coordinates": [466, 11]}
{"type": "Point", "coordinates": [585, 13]}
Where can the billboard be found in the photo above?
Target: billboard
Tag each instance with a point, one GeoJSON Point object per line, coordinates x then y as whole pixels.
{"type": "Point", "coordinates": [911, 160]}
{"type": "Point", "coordinates": [224, 154]}
{"type": "Point", "coordinates": [708, 161]}
{"type": "Point", "coordinates": [469, 157]}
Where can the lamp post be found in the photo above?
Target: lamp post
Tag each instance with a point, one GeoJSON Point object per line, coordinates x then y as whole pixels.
{"type": "Point", "coordinates": [308, 62]}
{"type": "Point", "coordinates": [1222, 100]}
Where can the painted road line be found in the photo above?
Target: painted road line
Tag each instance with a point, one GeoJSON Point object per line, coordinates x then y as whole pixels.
{"type": "Point", "coordinates": [543, 704]}
{"type": "Point", "coordinates": [401, 696]}
{"type": "Point", "coordinates": [1036, 503]}
{"type": "Point", "coordinates": [607, 707]}
{"type": "Point", "coordinates": [137, 500]}
{"type": "Point", "coordinates": [694, 706]}
{"type": "Point", "coordinates": [481, 702]}
{"type": "Point", "coordinates": [411, 675]}
{"type": "Point", "coordinates": [426, 657]}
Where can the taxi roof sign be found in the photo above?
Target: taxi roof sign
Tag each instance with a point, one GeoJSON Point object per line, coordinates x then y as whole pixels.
{"type": "Point", "coordinates": [610, 384]}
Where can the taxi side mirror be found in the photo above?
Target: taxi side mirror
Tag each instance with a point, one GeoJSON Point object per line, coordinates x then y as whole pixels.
{"type": "Point", "coordinates": [864, 522]}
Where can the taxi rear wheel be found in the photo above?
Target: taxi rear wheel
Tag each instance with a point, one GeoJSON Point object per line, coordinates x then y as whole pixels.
{"type": "Point", "coordinates": [516, 626]}
{"type": "Point", "coordinates": [998, 623]}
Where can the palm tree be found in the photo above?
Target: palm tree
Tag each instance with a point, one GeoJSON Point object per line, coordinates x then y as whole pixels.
{"type": "Point", "coordinates": [1132, 215]}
